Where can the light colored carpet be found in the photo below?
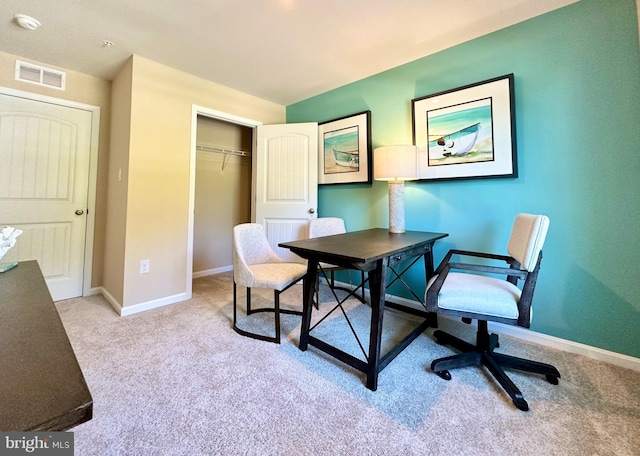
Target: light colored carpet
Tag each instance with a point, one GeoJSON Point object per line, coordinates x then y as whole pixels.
{"type": "Point", "coordinates": [179, 381]}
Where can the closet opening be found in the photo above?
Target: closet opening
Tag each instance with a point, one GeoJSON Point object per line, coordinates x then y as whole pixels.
{"type": "Point", "coordinates": [222, 193]}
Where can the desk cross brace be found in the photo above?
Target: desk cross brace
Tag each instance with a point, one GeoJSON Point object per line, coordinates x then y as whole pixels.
{"type": "Point", "coordinates": [399, 277]}
{"type": "Point", "coordinates": [383, 253]}
{"type": "Point", "coordinates": [352, 293]}
{"type": "Point", "coordinates": [339, 304]}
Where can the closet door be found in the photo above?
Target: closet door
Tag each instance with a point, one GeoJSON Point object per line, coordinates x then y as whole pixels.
{"type": "Point", "coordinates": [285, 173]}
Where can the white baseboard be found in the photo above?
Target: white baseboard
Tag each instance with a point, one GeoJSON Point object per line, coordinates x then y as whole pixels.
{"type": "Point", "coordinates": [137, 308]}
{"type": "Point", "coordinates": [617, 359]}
{"type": "Point", "coordinates": [111, 300]}
{"type": "Point", "coordinates": [208, 272]}
{"type": "Point", "coordinates": [93, 291]}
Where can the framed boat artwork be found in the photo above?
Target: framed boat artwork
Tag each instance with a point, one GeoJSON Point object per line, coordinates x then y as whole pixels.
{"type": "Point", "coordinates": [468, 132]}
{"type": "Point", "coordinates": [344, 152]}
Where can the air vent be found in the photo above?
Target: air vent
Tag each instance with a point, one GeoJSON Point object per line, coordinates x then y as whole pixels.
{"type": "Point", "coordinates": [35, 74]}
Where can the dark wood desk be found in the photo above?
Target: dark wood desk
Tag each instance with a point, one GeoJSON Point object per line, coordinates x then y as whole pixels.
{"type": "Point", "coordinates": [41, 385]}
{"type": "Point", "coordinates": [372, 251]}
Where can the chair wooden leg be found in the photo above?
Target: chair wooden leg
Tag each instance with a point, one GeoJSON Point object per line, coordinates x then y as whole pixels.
{"type": "Point", "coordinates": [352, 292]}
{"type": "Point", "coordinates": [275, 309]}
{"type": "Point", "coordinates": [235, 303]}
{"type": "Point", "coordinates": [276, 300]}
{"type": "Point", "coordinates": [250, 334]}
{"type": "Point", "coordinates": [249, 311]}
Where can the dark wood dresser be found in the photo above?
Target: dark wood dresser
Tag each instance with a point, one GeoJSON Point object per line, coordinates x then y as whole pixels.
{"type": "Point", "coordinates": [41, 385]}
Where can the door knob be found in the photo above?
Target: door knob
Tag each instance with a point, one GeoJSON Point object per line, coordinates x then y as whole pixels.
{"type": "Point", "coordinates": [312, 211]}
{"type": "Point", "coordinates": [79, 212]}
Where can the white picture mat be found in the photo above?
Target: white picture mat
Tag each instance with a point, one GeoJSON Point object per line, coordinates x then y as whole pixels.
{"type": "Point", "coordinates": [361, 121]}
{"type": "Point", "coordinates": [499, 91]}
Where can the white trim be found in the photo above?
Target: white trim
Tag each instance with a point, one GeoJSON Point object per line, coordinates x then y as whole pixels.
{"type": "Point", "coordinates": [208, 272]}
{"type": "Point", "coordinates": [618, 359]}
{"type": "Point", "coordinates": [607, 356]}
{"type": "Point", "coordinates": [91, 201]}
{"type": "Point", "coordinates": [111, 300]}
{"type": "Point", "coordinates": [93, 172]}
{"type": "Point", "coordinates": [212, 113]}
{"type": "Point", "coordinates": [94, 291]}
{"type": "Point", "coordinates": [143, 306]}
{"type": "Point", "coordinates": [197, 110]}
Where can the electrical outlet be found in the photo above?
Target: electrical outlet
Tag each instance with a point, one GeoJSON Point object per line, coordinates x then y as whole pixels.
{"type": "Point", "coordinates": [144, 266]}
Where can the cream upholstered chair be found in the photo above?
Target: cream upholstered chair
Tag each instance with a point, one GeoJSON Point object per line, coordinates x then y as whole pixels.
{"type": "Point", "coordinates": [327, 226]}
{"type": "Point", "coordinates": [256, 265]}
{"type": "Point", "coordinates": [477, 294]}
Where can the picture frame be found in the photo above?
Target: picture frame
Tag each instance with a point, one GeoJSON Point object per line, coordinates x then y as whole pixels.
{"type": "Point", "coordinates": [468, 132]}
{"type": "Point", "coordinates": [344, 150]}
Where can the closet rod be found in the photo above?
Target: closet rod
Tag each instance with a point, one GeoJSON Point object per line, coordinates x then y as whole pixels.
{"type": "Point", "coordinates": [222, 150]}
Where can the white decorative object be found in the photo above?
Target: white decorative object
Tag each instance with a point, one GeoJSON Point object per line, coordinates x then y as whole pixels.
{"type": "Point", "coordinates": [396, 164]}
{"type": "Point", "coordinates": [8, 237]}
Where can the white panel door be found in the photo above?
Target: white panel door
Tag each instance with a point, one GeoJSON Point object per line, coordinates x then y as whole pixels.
{"type": "Point", "coordinates": [44, 179]}
{"type": "Point", "coordinates": [285, 164]}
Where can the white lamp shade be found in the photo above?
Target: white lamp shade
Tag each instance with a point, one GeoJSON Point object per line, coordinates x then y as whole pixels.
{"type": "Point", "coordinates": [395, 163]}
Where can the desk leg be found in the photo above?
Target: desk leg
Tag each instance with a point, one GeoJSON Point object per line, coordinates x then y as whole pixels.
{"type": "Point", "coordinates": [428, 271]}
{"type": "Point", "coordinates": [308, 290]}
{"type": "Point", "coordinates": [377, 288]}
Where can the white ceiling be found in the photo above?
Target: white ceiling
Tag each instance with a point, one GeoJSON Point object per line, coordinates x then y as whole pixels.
{"type": "Point", "coordinates": [279, 50]}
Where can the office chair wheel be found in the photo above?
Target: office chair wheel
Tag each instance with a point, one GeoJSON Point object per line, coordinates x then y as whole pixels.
{"type": "Point", "coordinates": [444, 374]}
{"type": "Point", "coordinates": [552, 379]}
{"type": "Point", "coordinates": [521, 404]}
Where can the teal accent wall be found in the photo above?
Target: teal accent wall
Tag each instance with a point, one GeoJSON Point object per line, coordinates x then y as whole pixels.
{"type": "Point", "coordinates": [577, 91]}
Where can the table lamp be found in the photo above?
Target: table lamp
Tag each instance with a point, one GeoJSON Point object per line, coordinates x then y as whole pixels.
{"type": "Point", "coordinates": [395, 164]}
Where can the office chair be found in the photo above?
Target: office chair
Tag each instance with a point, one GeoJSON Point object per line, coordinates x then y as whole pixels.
{"type": "Point", "coordinates": [475, 294]}
{"type": "Point", "coordinates": [256, 265]}
{"type": "Point", "coordinates": [327, 226]}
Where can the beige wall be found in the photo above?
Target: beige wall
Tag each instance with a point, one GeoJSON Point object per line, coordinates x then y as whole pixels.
{"type": "Point", "coordinates": [85, 89]}
{"type": "Point", "coordinates": [222, 193]}
{"type": "Point", "coordinates": [158, 175]}
{"type": "Point", "coordinates": [116, 207]}
{"type": "Point", "coordinates": [146, 121]}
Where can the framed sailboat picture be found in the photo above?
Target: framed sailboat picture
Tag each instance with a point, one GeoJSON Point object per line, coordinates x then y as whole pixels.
{"type": "Point", "coordinates": [468, 132]}
{"type": "Point", "coordinates": [344, 152]}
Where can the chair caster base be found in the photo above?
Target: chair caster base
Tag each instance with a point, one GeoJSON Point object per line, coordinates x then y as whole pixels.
{"type": "Point", "coordinates": [482, 353]}
{"type": "Point", "coordinates": [445, 374]}
{"type": "Point", "coordinates": [552, 379]}
{"type": "Point", "coordinates": [521, 404]}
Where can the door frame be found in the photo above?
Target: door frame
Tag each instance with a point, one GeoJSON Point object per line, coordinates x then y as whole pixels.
{"type": "Point", "coordinates": [87, 289]}
{"type": "Point", "coordinates": [196, 111]}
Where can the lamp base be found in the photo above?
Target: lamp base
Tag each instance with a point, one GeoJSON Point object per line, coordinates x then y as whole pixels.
{"type": "Point", "coordinates": [396, 207]}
